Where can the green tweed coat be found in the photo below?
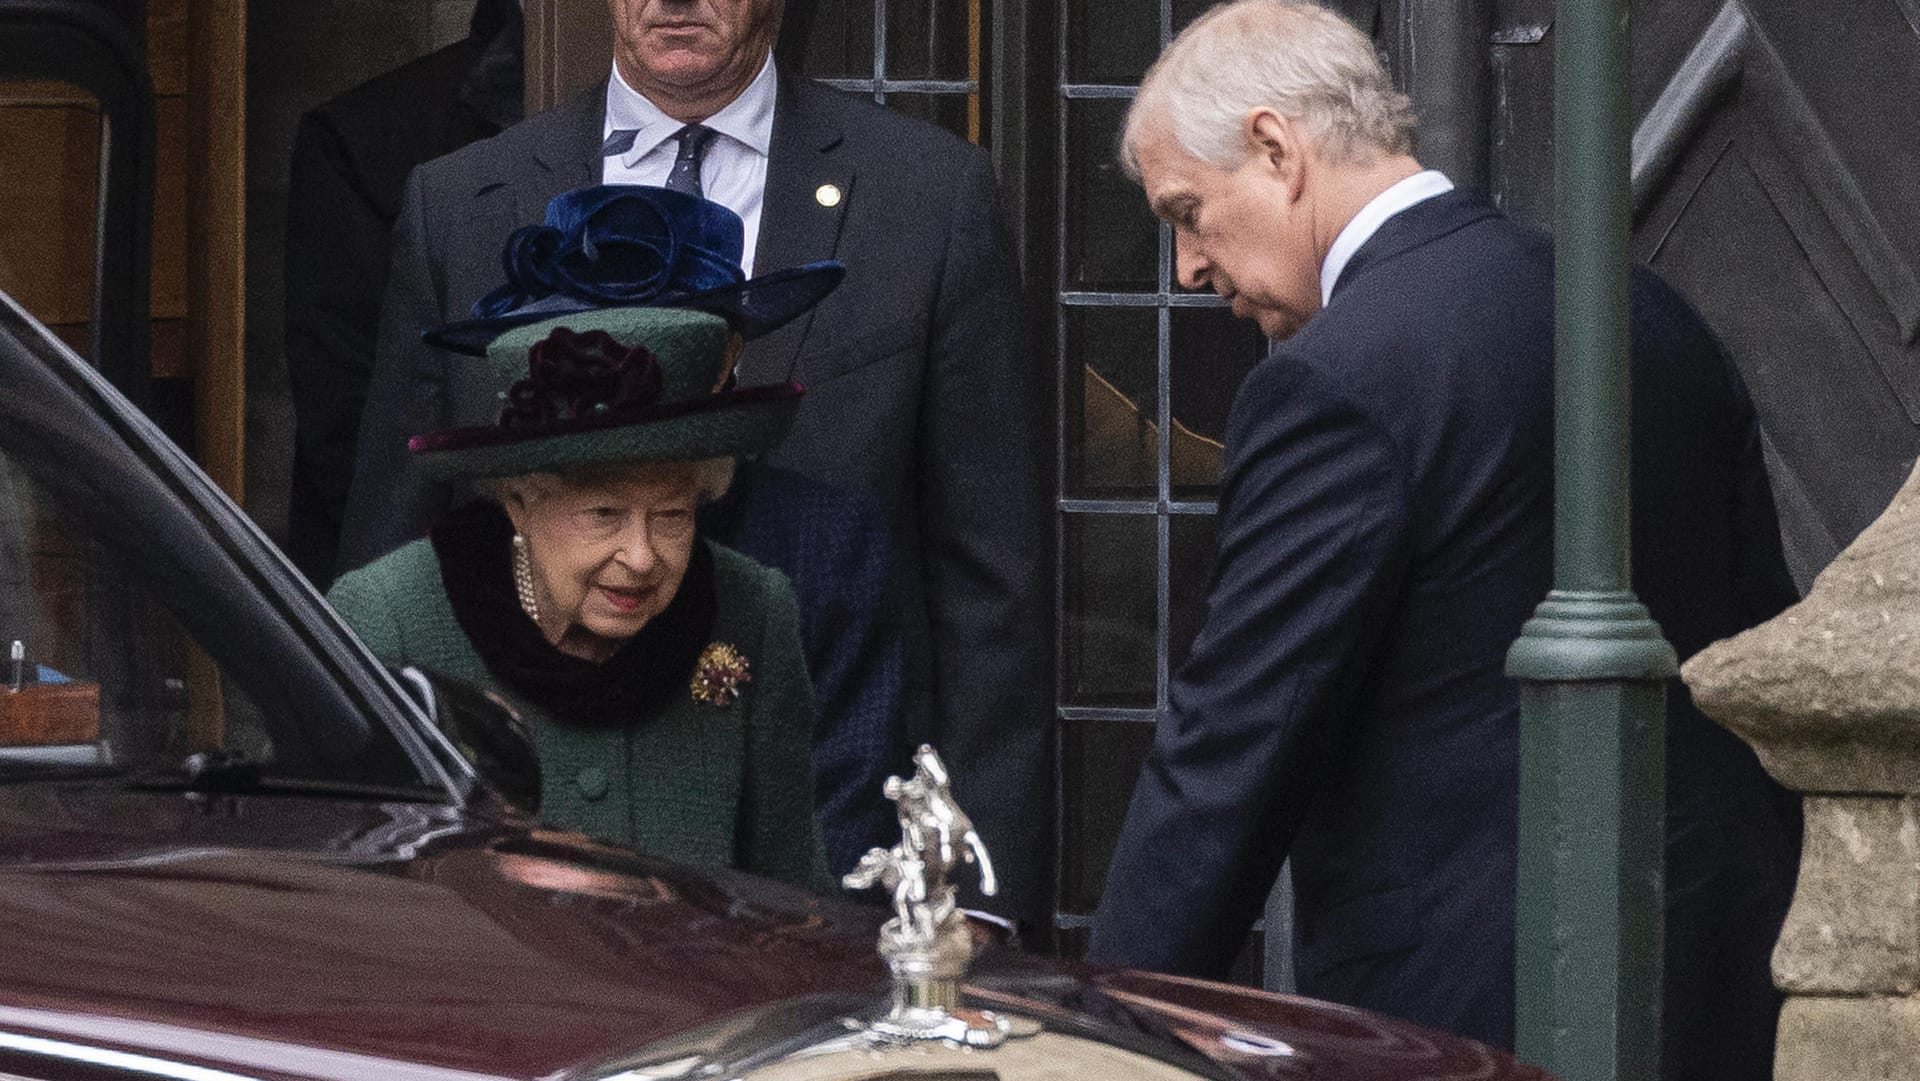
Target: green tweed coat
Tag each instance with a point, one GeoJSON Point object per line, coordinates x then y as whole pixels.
{"type": "Point", "coordinates": [696, 782]}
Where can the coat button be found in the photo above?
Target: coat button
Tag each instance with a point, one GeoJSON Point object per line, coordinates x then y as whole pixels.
{"type": "Point", "coordinates": [591, 781]}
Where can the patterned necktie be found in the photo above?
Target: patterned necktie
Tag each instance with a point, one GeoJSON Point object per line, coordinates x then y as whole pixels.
{"type": "Point", "coordinates": [685, 176]}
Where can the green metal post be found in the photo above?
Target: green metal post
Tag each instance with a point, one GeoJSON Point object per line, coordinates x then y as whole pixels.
{"type": "Point", "coordinates": [1591, 663]}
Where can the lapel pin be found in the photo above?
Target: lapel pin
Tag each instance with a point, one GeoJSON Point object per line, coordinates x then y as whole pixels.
{"type": "Point", "coordinates": [827, 195]}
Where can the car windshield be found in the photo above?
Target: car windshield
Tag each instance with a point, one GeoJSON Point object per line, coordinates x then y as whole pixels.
{"type": "Point", "coordinates": [134, 645]}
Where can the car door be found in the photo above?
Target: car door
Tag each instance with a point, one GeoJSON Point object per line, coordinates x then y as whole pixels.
{"type": "Point", "coordinates": [147, 628]}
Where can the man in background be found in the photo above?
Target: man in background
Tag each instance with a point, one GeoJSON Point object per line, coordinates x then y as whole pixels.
{"type": "Point", "coordinates": [351, 157]}
{"type": "Point", "coordinates": [1385, 528]}
{"type": "Point", "coordinates": [920, 394]}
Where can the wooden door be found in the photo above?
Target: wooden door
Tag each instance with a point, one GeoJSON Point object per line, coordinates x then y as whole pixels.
{"type": "Point", "coordinates": [1773, 183]}
{"type": "Point", "coordinates": [1776, 186]}
{"type": "Point", "coordinates": [569, 49]}
{"type": "Point", "coordinates": [50, 139]}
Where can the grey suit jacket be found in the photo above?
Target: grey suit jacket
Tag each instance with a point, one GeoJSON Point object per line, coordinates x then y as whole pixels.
{"type": "Point", "coordinates": [921, 393]}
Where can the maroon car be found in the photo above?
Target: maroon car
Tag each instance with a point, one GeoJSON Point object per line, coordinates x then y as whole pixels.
{"type": "Point", "coordinates": [232, 845]}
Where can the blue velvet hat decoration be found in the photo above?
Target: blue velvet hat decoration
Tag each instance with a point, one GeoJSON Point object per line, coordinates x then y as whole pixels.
{"type": "Point", "coordinates": [629, 245]}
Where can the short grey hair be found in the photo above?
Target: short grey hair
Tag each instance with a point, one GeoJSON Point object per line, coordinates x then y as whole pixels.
{"type": "Point", "coordinates": [712, 478]}
{"type": "Point", "coordinates": [1305, 62]}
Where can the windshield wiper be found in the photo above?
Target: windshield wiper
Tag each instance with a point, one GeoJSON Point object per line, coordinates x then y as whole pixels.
{"type": "Point", "coordinates": [221, 771]}
{"type": "Point", "coordinates": [21, 772]}
{"type": "Point", "coordinates": [206, 771]}
{"type": "Point", "coordinates": [238, 774]}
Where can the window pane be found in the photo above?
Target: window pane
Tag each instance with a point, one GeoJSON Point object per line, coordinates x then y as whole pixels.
{"type": "Point", "coordinates": [1113, 241]}
{"type": "Point", "coordinates": [1191, 548]}
{"type": "Point", "coordinates": [1112, 414]}
{"type": "Point", "coordinates": [1185, 11]}
{"type": "Point", "coordinates": [1101, 760]}
{"type": "Point", "coordinates": [928, 39]}
{"type": "Point", "coordinates": [839, 39]}
{"type": "Point", "coordinates": [947, 110]}
{"type": "Point", "coordinates": [1110, 620]}
{"type": "Point", "coordinates": [1109, 42]}
{"type": "Point", "coordinates": [1209, 354]}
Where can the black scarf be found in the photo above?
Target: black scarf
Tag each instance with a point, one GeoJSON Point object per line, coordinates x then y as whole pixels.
{"type": "Point", "coordinates": [474, 544]}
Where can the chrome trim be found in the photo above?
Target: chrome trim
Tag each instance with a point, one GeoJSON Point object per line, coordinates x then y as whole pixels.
{"type": "Point", "coordinates": [116, 1060]}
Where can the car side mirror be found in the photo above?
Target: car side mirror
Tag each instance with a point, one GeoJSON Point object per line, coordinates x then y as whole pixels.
{"type": "Point", "coordinates": [488, 732]}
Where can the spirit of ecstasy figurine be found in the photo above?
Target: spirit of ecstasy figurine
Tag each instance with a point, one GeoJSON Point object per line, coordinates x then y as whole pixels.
{"type": "Point", "coordinates": [926, 944]}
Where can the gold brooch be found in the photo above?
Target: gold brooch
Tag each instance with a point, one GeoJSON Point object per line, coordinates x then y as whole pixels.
{"type": "Point", "coordinates": [718, 676]}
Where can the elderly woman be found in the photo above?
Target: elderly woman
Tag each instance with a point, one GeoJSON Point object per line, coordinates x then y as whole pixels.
{"type": "Point", "coordinates": [662, 674]}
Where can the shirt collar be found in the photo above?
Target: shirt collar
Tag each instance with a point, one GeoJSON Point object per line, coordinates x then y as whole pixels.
{"type": "Point", "coordinates": [747, 119]}
{"type": "Point", "coordinates": [1417, 188]}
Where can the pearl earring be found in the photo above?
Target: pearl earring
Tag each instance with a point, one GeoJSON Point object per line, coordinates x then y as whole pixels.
{"type": "Point", "coordinates": [523, 579]}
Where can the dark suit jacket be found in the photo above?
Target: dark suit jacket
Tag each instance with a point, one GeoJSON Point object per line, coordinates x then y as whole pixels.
{"type": "Point", "coordinates": [351, 157]}
{"type": "Point", "coordinates": [920, 394]}
{"type": "Point", "coordinates": [832, 545]}
{"type": "Point", "coordinates": [1385, 529]}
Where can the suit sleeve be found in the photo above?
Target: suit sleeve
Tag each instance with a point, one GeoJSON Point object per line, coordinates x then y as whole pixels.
{"type": "Point", "coordinates": [856, 660]}
{"type": "Point", "coordinates": [1760, 566]}
{"type": "Point", "coordinates": [779, 835]}
{"type": "Point", "coordinates": [1312, 550]}
{"type": "Point", "coordinates": [336, 271]}
{"type": "Point", "coordinates": [392, 501]}
{"type": "Point", "coordinates": [984, 524]}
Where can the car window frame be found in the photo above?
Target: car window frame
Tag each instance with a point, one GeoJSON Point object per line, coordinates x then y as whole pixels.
{"type": "Point", "coordinates": [229, 554]}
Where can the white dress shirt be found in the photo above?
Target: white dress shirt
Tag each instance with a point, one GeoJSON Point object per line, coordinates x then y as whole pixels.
{"type": "Point", "coordinates": [733, 171]}
{"type": "Point", "coordinates": [1417, 188]}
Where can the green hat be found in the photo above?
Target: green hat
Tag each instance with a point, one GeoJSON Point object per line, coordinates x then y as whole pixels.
{"type": "Point", "coordinates": [631, 384]}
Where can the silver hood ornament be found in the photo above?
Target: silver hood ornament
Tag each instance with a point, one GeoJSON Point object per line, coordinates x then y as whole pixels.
{"type": "Point", "coordinates": [924, 1030]}
{"type": "Point", "coordinates": [926, 944]}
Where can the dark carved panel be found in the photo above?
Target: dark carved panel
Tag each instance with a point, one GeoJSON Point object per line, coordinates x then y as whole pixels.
{"type": "Point", "coordinates": [1782, 204]}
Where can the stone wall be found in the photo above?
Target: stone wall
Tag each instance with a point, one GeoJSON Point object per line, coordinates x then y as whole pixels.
{"type": "Point", "coordinates": [1828, 694]}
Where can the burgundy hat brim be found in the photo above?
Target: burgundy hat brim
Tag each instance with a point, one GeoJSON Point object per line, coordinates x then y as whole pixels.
{"type": "Point", "coordinates": [723, 425]}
